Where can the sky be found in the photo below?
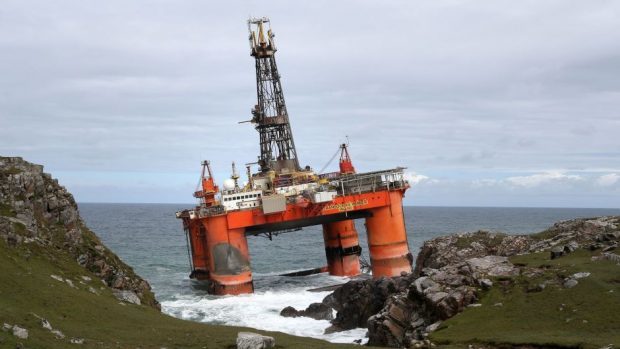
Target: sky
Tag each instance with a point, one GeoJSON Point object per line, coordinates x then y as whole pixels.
{"type": "Point", "coordinates": [487, 103]}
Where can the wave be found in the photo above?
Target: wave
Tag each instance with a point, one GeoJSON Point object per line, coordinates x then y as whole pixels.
{"type": "Point", "coordinates": [260, 310]}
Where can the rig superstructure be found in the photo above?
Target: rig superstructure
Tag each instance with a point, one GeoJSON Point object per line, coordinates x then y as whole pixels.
{"type": "Point", "coordinates": [283, 197]}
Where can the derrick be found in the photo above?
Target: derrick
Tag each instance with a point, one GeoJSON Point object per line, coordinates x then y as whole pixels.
{"type": "Point", "coordinates": [269, 115]}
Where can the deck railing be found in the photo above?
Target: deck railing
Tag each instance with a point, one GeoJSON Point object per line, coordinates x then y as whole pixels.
{"type": "Point", "coordinates": [371, 181]}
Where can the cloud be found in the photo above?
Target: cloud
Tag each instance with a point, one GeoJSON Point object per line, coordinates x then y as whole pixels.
{"type": "Point", "coordinates": [542, 178]}
{"type": "Point", "coordinates": [416, 178]}
{"type": "Point", "coordinates": [496, 88]}
{"type": "Point", "coordinates": [608, 179]}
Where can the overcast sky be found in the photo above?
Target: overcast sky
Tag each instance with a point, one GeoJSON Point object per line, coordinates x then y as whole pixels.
{"type": "Point", "coordinates": [487, 103]}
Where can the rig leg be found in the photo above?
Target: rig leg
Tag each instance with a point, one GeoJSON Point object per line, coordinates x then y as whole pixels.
{"type": "Point", "coordinates": [387, 239]}
{"type": "Point", "coordinates": [198, 247]}
{"type": "Point", "coordinates": [229, 267]}
{"type": "Point", "coordinates": [342, 248]}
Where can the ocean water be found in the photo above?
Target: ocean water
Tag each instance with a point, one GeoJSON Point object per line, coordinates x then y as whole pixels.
{"type": "Point", "coordinates": [150, 238]}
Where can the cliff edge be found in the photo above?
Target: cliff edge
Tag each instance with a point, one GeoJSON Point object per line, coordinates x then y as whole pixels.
{"type": "Point", "coordinates": [35, 209]}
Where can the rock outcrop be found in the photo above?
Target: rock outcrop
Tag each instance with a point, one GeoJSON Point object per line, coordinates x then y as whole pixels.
{"type": "Point", "coordinates": [317, 311]}
{"type": "Point", "coordinates": [36, 209]}
{"type": "Point", "coordinates": [449, 275]}
{"type": "Point", "coordinates": [249, 340]}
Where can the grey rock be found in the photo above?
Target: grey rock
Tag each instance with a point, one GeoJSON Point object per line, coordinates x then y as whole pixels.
{"type": "Point", "coordinates": [249, 340]}
{"type": "Point", "coordinates": [127, 296]}
{"type": "Point", "coordinates": [318, 311]}
{"type": "Point", "coordinates": [581, 275]}
{"type": "Point", "coordinates": [437, 297]}
{"type": "Point", "coordinates": [289, 312]}
{"type": "Point", "coordinates": [493, 266]}
{"type": "Point", "coordinates": [571, 246]}
{"type": "Point", "coordinates": [20, 332]}
{"type": "Point", "coordinates": [570, 283]}
{"type": "Point", "coordinates": [46, 324]}
{"type": "Point", "coordinates": [77, 340]}
{"type": "Point", "coordinates": [486, 283]}
{"type": "Point", "coordinates": [423, 283]}
{"type": "Point", "coordinates": [433, 327]}
{"type": "Point", "coordinates": [557, 252]}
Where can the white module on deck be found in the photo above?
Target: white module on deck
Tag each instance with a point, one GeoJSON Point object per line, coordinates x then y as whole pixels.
{"type": "Point", "coordinates": [242, 200]}
{"type": "Point", "coordinates": [322, 196]}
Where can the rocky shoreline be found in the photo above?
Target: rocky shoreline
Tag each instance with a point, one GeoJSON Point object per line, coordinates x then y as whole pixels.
{"type": "Point", "coordinates": [451, 273]}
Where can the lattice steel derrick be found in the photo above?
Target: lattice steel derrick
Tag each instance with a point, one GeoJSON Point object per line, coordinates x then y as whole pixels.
{"type": "Point", "coordinates": [277, 148]}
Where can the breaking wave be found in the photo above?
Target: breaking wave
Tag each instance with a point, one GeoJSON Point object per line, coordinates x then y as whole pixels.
{"type": "Point", "coordinates": [261, 310]}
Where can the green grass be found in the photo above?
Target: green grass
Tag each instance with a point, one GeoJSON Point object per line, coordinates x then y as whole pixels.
{"type": "Point", "coordinates": [26, 289]}
{"type": "Point", "coordinates": [586, 316]}
{"type": "Point", "coordinates": [6, 210]}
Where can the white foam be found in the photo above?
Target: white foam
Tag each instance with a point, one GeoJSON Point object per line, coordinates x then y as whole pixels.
{"type": "Point", "coordinates": [260, 310]}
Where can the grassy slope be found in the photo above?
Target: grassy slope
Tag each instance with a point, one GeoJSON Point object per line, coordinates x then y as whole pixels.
{"type": "Point", "coordinates": [26, 288]}
{"type": "Point", "coordinates": [586, 316]}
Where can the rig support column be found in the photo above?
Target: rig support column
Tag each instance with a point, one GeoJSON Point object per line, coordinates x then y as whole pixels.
{"type": "Point", "coordinates": [387, 239]}
{"type": "Point", "coordinates": [229, 267]}
{"type": "Point", "coordinates": [342, 248]}
{"type": "Point", "coordinates": [198, 247]}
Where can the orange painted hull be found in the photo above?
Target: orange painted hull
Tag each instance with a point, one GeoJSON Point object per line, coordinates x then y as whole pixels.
{"type": "Point", "coordinates": [219, 245]}
{"type": "Point", "coordinates": [387, 239]}
{"type": "Point", "coordinates": [342, 248]}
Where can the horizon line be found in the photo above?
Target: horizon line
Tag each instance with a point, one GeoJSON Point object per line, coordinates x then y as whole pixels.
{"type": "Point", "coordinates": [435, 206]}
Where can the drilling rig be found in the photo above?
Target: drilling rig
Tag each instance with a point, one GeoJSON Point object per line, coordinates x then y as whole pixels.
{"type": "Point", "coordinates": [282, 197]}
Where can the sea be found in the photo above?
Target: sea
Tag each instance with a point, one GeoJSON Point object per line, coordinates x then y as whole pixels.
{"type": "Point", "coordinates": [150, 239]}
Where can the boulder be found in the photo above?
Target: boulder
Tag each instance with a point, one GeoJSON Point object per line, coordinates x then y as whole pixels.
{"type": "Point", "coordinates": [485, 283]}
{"type": "Point", "coordinates": [46, 324]}
{"type": "Point", "coordinates": [493, 266]}
{"type": "Point", "coordinates": [581, 275]}
{"type": "Point", "coordinates": [289, 312]}
{"type": "Point", "coordinates": [570, 283]}
{"type": "Point", "coordinates": [318, 311]}
{"type": "Point", "coordinates": [20, 332]}
{"type": "Point", "coordinates": [127, 296]}
{"type": "Point", "coordinates": [249, 340]}
{"type": "Point", "coordinates": [358, 300]}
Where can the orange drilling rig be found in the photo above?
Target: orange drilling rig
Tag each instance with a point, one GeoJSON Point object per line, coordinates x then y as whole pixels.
{"type": "Point", "coordinates": [283, 197]}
